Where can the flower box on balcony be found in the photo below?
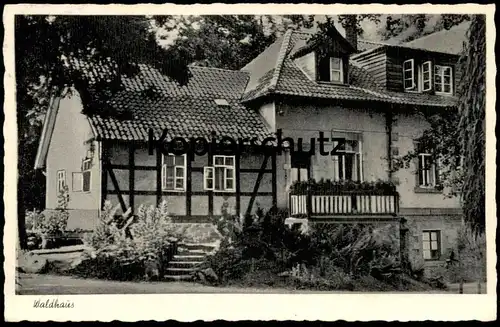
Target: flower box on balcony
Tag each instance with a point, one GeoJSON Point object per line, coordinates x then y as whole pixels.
{"type": "Point", "coordinates": [328, 198]}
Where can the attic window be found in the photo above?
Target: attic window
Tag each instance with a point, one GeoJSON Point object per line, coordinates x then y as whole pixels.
{"type": "Point", "coordinates": [222, 102]}
{"type": "Point", "coordinates": [331, 69]}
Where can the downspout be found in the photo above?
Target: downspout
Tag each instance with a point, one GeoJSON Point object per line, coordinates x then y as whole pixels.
{"type": "Point", "coordinates": [388, 128]}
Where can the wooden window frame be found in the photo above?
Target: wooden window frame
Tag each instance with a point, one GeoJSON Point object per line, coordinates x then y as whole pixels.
{"type": "Point", "coordinates": [438, 248]}
{"type": "Point", "coordinates": [358, 160]}
{"type": "Point", "coordinates": [430, 174]}
{"type": "Point", "coordinates": [413, 77]}
{"type": "Point", "coordinates": [340, 70]}
{"type": "Point", "coordinates": [226, 167]}
{"type": "Point", "coordinates": [429, 78]}
{"type": "Point", "coordinates": [443, 68]}
{"type": "Point", "coordinates": [61, 180]}
{"type": "Point", "coordinates": [182, 167]}
{"type": "Point", "coordinates": [86, 169]}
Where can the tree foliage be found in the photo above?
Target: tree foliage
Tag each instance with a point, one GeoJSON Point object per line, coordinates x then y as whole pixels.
{"type": "Point", "coordinates": [43, 46]}
{"type": "Point", "coordinates": [405, 28]}
{"type": "Point", "coordinates": [230, 41]}
{"type": "Point", "coordinates": [472, 107]}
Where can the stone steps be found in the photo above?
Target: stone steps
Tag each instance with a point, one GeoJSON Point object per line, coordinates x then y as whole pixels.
{"type": "Point", "coordinates": [188, 258]}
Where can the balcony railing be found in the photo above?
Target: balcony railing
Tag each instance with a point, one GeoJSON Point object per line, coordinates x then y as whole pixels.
{"type": "Point", "coordinates": [343, 203]}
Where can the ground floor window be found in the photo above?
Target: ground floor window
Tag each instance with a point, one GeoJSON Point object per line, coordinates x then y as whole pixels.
{"type": "Point", "coordinates": [173, 172]}
{"type": "Point", "coordinates": [431, 243]}
{"type": "Point", "coordinates": [220, 176]}
{"type": "Point", "coordinates": [61, 180]}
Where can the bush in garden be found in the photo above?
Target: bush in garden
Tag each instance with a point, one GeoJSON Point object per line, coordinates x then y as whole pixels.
{"type": "Point", "coordinates": [470, 257]}
{"type": "Point", "coordinates": [116, 256]}
{"type": "Point", "coordinates": [43, 226]}
{"type": "Point", "coordinates": [356, 249]}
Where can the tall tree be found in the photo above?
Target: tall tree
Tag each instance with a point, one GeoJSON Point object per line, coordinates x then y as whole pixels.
{"type": "Point", "coordinates": [43, 46]}
{"type": "Point", "coordinates": [405, 28]}
{"type": "Point", "coordinates": [472, 107]}
{"type": "Point", "coordinates": [230, 41]}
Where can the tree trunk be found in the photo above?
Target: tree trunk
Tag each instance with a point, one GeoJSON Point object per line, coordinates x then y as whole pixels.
{"type": "Point", "coordinates": [21, 225]}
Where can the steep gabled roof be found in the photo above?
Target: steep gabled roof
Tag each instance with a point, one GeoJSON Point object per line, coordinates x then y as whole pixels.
{"type": "Point", "coordinates": [286, 78]}
{"type": "Point", "coordinates": [450, 41]}
{"type": "Point", "coordinates": [186, 111]}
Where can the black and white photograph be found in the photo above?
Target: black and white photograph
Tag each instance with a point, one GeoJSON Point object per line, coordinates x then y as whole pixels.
{"type": "Point", "coordinates": [250, 154]}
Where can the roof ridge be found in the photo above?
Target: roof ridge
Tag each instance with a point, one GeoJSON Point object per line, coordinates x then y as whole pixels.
{"type": "Point", "coordinates": [372, 42]}
{"type": "Point", "coordinates": [281, 58]}
{"type": "Point", "coordinates": [444, 30]}
{"type": "Point", "coordinates": [216, 68]}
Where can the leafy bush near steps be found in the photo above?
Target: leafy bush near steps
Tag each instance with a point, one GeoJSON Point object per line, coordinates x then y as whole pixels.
{"type": "Point", "coordinates": [116, 256]}
{"type": "Point", "coordinates": [330, 256]}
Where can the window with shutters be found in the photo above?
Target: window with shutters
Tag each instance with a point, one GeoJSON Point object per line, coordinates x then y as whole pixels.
{"type": "Point", "coordinates": [173, 172]}
{"type": "Point", "coordinates": [431, 244]}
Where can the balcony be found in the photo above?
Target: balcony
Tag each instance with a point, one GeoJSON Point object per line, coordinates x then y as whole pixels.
{"type": "Point", "coordinates": [326, 199]}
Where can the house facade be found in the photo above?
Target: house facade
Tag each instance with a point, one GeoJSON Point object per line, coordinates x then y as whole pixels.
{"type": "Point", "coordinates": [369, 99]}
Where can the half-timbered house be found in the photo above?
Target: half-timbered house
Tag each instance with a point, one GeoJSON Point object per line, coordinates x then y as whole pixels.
{"type": "Point", "coordinates": [371, 97]}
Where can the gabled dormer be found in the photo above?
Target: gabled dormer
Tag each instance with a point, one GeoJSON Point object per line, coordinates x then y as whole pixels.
{"type": "Point", "coordinates": [324, 58]}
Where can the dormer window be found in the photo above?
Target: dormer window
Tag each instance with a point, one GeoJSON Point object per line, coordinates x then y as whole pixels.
{"type": "Point", "coordinates": [409, 75]}
{"type": "Point", "coordinates": [424, 76]}
{"type": "Point", "coordinates": [442, 79]}
{"type": "Point", "coordinates": [331, 69]}
{"type": "Point", "coordinates": [336, 71]}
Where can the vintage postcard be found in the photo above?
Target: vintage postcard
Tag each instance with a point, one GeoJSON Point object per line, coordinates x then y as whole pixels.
{"type": "Point", "coordinates": [249, 162]}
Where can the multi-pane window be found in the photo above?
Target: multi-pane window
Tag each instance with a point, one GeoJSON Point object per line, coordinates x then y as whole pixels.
{"type": "Point", "coordinates": [409, 74]}
{"type": "Point", "coordinates": [336, 71]}
{"type": "Point", "coordinates": [81, 180]}
{"type": "Point", "coordinates": [61, 180]}
{"type": "Point", "coordinates": [426, 170]}
{"type": "Point", "coordinates": [299, 164]}
{"type": "Point", "coordinates": [431, 244]}
{"type": "Point", "coordinates": [427, 76]}
{"type": "Point", "coordinates": [173, 173]}
{"type": "Point", "coordinates": [424, 76]}
{"type": "Point", "coordinates": [347, 163]}
{"type": "Point", "coordinates": [221, 176]}
{"type": "Point", "coordinates": [86, 174]}
{"type": "Point", "coordinates": [443, 79]}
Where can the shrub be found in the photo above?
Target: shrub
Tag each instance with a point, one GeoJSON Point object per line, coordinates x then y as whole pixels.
{"type": "Point", "coordinates": [470, 264]}
{"type": "Point", "coordinates": [357, 249]}
{"type": "Point", "coordinates": [117, 256]}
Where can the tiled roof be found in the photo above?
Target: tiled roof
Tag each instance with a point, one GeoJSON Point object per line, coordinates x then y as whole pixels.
{"type": "Point", "coordinates": [186, 111]}
{"type": "Point", "coordinates": [447, 41]}
{"type": "Point", "coordinates": [364, 45]}
{"type": "Point", "coordinates": [293, 81]}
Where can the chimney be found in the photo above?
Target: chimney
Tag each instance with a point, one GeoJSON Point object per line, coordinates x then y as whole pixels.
{"type": "Point", "coordinates": [351, 31]}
